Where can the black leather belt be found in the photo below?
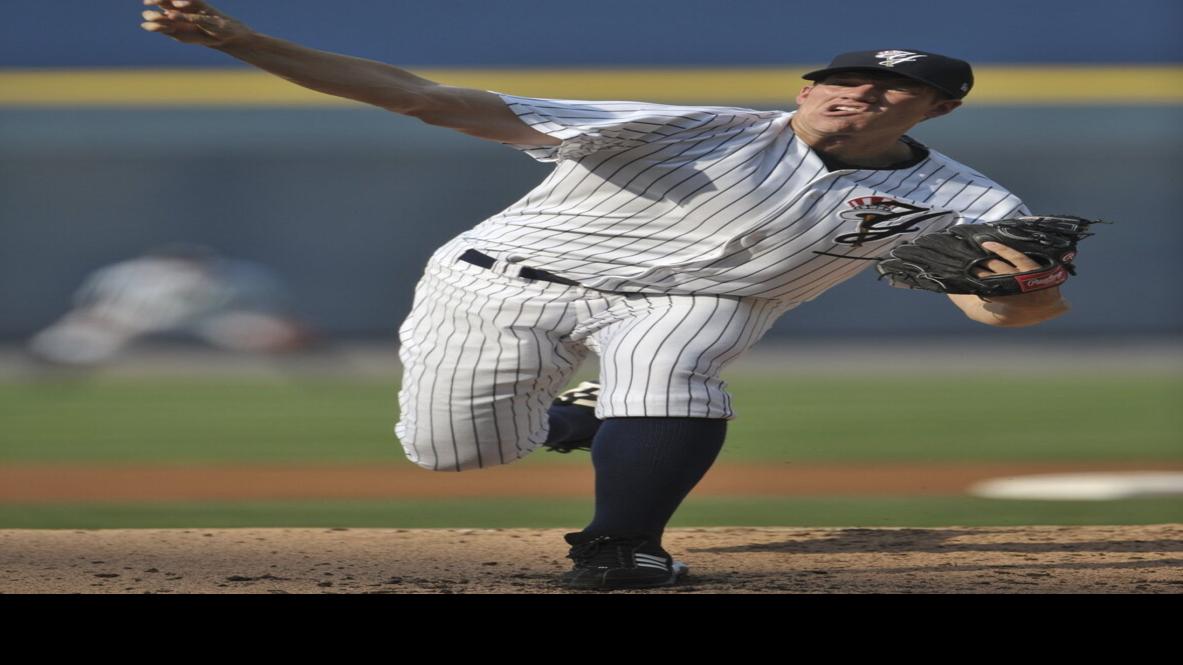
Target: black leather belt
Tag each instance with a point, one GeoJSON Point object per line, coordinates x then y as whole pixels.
{"type": "Point", "coordinates": [485, 261]}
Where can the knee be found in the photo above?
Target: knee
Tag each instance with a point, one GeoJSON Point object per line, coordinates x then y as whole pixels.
{"type": "Point", "coordinates": [450, 455]}
{"type": "Point", "coordinates": [464, 441]}
{"type": "Point", "coordinates": [446, 463]}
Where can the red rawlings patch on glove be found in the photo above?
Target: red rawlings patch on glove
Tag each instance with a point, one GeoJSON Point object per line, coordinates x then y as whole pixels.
{"type": "Point", "coordinates": [1042, 280]}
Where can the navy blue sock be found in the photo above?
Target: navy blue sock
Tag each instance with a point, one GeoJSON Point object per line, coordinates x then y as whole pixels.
{"type": "Point", "coordinates": [645, 467]}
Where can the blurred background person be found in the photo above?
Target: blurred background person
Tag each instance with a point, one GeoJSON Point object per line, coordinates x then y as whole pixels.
{"type": "Point", "coordinates": [189, 290]}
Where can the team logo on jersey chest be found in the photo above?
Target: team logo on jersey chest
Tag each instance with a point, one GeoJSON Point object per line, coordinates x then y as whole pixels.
{"type": "Point", "coordinates": [880, 217]}
{"type": "Point", "coordinates": [893, 58]}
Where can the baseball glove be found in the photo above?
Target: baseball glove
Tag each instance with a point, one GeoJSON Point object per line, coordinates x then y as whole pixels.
{"type": "Point", "coordinates": [949, 261]}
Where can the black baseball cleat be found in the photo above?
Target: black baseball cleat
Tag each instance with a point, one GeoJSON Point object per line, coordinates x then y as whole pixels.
{"type": "Point", "coordinates": [611, 562]}
{"type": "Point", "coordinates": [581, 397]}
{"type": "Point", "coordinates": [584, 394]}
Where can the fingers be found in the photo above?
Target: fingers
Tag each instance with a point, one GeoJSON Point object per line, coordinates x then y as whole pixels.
{"type": "Point", "coordinates": [192, 5]}
{"type": "Point", "coordinates": [171, 15]}
{"type": "Point", "coordinates": [170, 23]}
{"type": "Point", "coordinates": [187, 26]}
{"type": "Point", "coordinates": [995, 267]}
{"type": "Point", "coordinates": [195, 19]}
{"type": "Point", "coordinates": [1012, 259]}
{"type": "Point", "coordinates": [156, 21]}
{"type": "Point", "coordinates": [172, 8]}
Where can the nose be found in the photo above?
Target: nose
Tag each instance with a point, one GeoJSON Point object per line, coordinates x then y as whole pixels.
{"type": "Point", "coordinates": [865, 92]}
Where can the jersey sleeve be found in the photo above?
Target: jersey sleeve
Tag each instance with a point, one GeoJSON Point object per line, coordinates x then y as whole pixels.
{"type": "Point", "coordinates": [586, 127]}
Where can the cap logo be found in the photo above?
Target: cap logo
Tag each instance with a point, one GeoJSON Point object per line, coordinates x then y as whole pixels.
{"type": "Point", "coordinates": [893, 58]}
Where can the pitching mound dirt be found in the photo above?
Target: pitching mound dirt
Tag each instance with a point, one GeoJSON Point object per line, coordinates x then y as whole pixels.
{"type": "Point", "coordinates": [1125, 559]}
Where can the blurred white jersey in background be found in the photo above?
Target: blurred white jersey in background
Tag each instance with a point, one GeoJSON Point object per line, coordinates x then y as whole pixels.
{"type": "Point", "coordinates": [231, 304]}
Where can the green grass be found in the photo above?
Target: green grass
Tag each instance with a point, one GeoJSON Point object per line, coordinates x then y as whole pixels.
{"type": "Point", "coordinates": [958, 418]}
{"type": "Point", "coordinates": [188, 420]}
{"type": "Point", "coordinates": [951, 418]}
{"type": "Point", "coordinates": [836, 419]}
{"type": "Point", "coordinates": [574, 513]}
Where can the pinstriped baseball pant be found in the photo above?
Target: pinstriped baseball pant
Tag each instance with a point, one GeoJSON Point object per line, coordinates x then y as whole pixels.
{"type": "Point", "coordinates": [485, 352]}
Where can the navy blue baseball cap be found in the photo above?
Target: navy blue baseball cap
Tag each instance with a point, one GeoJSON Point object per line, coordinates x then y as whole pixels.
{"type": "Point", "coordinates": [949, 75]}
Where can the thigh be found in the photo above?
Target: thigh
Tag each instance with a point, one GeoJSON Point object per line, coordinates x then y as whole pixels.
{"type": "Point", "coordinates": [662, 356]}
{"type": "Point", "coordinates": [483, 356]}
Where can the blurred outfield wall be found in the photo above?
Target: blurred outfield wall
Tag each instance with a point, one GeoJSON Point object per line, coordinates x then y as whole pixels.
{"type": "Point", "coordinates": [84, 33]}
{"type": "Point", "coordinates": [99, 161]}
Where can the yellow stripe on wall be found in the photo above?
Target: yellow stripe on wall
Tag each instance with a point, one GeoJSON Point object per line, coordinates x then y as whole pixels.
{"type": "Point", "coordinates": [777, 86]}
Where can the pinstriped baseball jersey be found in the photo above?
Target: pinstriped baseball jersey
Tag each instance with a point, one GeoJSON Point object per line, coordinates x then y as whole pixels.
{"type": "Point", "coordinates": [689, 231]}
{"type": "Point", "coordinates": [673, 199]}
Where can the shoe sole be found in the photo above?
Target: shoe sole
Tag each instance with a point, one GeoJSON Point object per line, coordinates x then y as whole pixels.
{"type": "Point", "coordinates": [678, 570]}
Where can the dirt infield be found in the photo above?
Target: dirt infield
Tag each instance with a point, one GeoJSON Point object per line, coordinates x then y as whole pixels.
{"type": "Point", "coordinates": [1110, 559]}
{"type": "Point", "coordinates": [1127, 559]}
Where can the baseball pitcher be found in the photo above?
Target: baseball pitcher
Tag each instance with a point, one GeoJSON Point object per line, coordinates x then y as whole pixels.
{"type": "Point", "coordinates": [667, 240]}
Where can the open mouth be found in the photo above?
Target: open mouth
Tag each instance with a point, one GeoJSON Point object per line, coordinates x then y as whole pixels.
{"type": "Point", "coordinates": [845, 109]}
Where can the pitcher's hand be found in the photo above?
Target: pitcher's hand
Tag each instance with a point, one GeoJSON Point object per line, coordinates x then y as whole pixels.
{"type": "Point", "coordinates": [193, 22]}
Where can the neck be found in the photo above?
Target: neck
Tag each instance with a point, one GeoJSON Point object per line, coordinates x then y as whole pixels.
{"type": "Point", "coordinates": [856, 149]}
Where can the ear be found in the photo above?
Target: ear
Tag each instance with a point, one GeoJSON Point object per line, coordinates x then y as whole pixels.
{"type": "Point", "coordinates": [942, 108]}
{"type": "Point", "coordinates": [801, 96]}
